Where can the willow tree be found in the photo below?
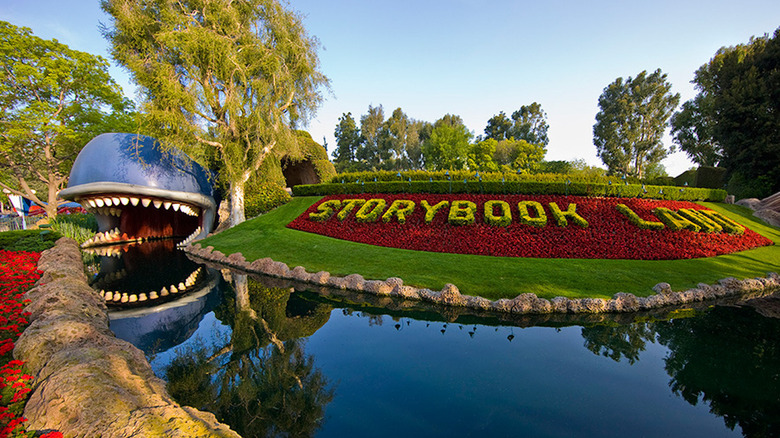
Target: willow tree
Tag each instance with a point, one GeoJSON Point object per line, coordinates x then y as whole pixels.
{"type": "Point", "coordinates": [222, 80]}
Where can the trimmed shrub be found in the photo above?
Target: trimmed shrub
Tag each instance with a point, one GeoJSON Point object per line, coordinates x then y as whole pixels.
{"type": "Point", "coordinates": [431, 210]}
{"type": "Point", "coordinates": [401, 209]}
{"type": "Point", "coordinates": [371, 210]}
{"type": "Point", "coordinates": [710, 177]}
{"type": "Point", "coordinates": [638, 221]}
{"type": "Point", "coordinates": [501, 220]}
{"type": "Point", "coordinates": [562, 217]}
{"type": "Point", "coordinates": [462, 213]}
{"type": "Point", "coordinates": [525, 217]}
{"type": "Point", "coordinates": [263, 198]}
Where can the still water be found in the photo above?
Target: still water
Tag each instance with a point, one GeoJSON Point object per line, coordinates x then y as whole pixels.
{"type": "Point", "coordinates": [273, 360]}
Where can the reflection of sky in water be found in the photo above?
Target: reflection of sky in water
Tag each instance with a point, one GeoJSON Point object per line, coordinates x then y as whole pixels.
{"type": "Point", "coordinates": [404, 377]}
{"type": "Point", "coordinates": [211, 332]}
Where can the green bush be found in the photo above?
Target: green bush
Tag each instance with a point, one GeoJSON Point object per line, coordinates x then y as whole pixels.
{"type": "Point", "coordinates": [263, 198]}
{"type": "Point", "coordinates": [28, 240]}
{"type": "Point", "coordinates": [742, 187]}
{"type": "Point", "coordinates": [526, 187]}
{"type": "Point", "coordinates": [689, 177]}
{"type": "Point", "coordinates": [79, 227]}
{"type": "Point", "coordinates": [710, 177]}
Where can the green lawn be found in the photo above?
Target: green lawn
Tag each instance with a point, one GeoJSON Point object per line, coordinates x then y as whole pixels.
{"type": "Point", "coordinates": [491, 277]}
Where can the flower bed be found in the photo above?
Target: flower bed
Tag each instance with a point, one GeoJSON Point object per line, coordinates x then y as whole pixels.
{"type": "Point", "coordinates": [530, 226]}
{"type": "Point", "coordinates": [18, 273]}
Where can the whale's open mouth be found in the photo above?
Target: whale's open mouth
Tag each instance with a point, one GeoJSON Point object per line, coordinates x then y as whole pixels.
{"type": "Point", "coordinates": [140, 218]}
{"type": "Point", "coordinates": [131, 214]}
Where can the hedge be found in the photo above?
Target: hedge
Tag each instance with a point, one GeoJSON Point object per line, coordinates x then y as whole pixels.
{"type": "Point", "coordinates": [515, 187]}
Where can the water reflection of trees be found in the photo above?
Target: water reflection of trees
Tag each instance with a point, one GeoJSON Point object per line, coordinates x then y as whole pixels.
{"type": "Point", "coordinates": [260, 381]}
{"type": "Point", "coordinates": [727, 357]}
{"type": "Point", "coordinates": [618, 341]}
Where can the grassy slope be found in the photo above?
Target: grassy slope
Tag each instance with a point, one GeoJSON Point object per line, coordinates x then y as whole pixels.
{"type": "Point", "coordinates": [491, 277]}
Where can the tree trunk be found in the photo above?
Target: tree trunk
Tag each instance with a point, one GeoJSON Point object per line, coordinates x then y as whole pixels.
{"type": "Point", "coordinates": [237, 203]}
{"type": "Point", "coordinates": [51, 205]}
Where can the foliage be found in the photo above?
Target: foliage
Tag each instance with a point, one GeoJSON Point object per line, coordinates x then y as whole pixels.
{"type": "Point", "coordinates": [265, 198]}
{"type": "Point", "coordinates": [28, 240]}
{"type": "Point", "coordinates": [692, 128]}
{"type": "Point", "coordinates": [491, 277]}
{"type": "Point", "coordinates": [201, 65]}
{"type": "Point", "coordinates": [528, 123]}
{"type": "Point", "coordinates": [261, 382]}
{"type": "Point", "coordinates": [631, 122]}
{"type": "Point", "coordinates": [447, 146]}
{"type": "Point", "coordinates": [740, 104]}
{"type": "Point", "coordinates": [18, 273]}
{"type": "Point", "coordinates": [498, 225]}
{"type": "Point", "coordinates": [347, 142]}
{"type": "Point", "coordinates": [53, 100]}
{"type": "Point", "coordinates": [554, 184]}
{"type": "Point", "coordinates": [710, 177]}
{"type": "Point", "coordinates": [79, 227]}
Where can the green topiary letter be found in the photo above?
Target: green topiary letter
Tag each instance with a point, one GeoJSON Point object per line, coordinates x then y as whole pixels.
{"type": "Point", "coordinates": [401, 209]}
{"type": "Point", "coordinates": [462, 213]}
{"type": "Point", "coordinates": [502, 220]}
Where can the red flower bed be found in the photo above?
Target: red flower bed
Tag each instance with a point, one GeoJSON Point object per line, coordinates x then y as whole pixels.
{"type": "Point", "coordinates": [609, 234]}
{"type": "Point", "coordinates": [18, 273]}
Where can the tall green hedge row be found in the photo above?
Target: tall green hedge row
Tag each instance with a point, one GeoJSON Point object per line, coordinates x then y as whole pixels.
{"type": "Point", "coordinates": [528, 187]}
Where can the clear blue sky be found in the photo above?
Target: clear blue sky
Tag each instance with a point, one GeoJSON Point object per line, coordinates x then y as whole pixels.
{"type": "Point", "coordinates": [476, 58]}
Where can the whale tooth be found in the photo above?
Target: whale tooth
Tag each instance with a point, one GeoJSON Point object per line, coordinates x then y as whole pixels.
{"type": "Point", "coordinates": [109, 296]}
{"type": "Point", "coordinates": [182, 286]}
{"type": "Point", "coordinates": [145, 202]}
{"type": "Point", "coordinates": [176, 206]}
{"type": "Point", "coordinates": [108, 201]}
{"type": "Point", "coordinates": [142, 297]}
{"type": "Point", "coordinates": [163, 292]}
{"type": "Point", "coordinates": [124, 200]}
{"type": "Point", "coordinates": [99, 202]}
{"type": "Point", "coordinates": [153, 295]}
{"type": "Point", "coordinates": [132, 298]}
{"type": "Point", "coordinates": [124, 298]}
{"type": "Point", "coordinates": [134, 201]}
{"type": "Point", "coordinates": [174, 290]}
{"type": "Point", "coordinates": [116, 201]}
{"type": "Point", "coordinates": [157, 203]}
{"type": "Point", "coordinates": [167, 205]}
{"type": "Point", "coordinates": [91, 203]}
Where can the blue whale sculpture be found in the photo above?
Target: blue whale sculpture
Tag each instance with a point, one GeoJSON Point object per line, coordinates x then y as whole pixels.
{"type": "Point", "coordinates": [138, 191]}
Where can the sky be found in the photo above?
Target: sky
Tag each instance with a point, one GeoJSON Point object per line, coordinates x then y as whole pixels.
{"type": "Point", "coordinates": [475, 58]}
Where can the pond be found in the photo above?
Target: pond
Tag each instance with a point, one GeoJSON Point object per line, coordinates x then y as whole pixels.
{"type": "Point", "coordinates": [271, 359]}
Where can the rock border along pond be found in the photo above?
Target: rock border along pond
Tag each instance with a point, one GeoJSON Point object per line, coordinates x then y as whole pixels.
{"type": "Point", "coordinates": [87, 382]}
{"type": "Point", "coordinates": [526, 303]}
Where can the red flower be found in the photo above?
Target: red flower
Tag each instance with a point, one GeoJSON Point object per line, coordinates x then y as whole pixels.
{"type": "Point", "coordinates": [598, 230]}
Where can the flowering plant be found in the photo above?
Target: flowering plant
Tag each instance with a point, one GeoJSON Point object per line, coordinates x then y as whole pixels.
{"type": "Point", "coordinates": [18, 273]}
{"type": "Point", "coordinates": [579, 227]}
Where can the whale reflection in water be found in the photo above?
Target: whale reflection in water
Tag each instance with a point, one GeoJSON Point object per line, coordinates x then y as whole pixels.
{"type": "Point", "coordinates": [155, 294]}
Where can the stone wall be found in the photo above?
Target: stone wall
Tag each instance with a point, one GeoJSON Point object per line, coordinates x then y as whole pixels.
{"type": "Point", "coordinates": [87, 382]}
{"type": "Point", "coordinates": [526, 303]}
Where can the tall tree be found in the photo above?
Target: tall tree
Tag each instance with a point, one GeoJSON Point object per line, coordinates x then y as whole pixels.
{"type": "Point", "coordinates": [498, 127]}
{"type": "Point", "coordinates": [419, 132]}
{"type": "Point", "coordinates": [518, 155]}
{"type": "Point", "coordinates": [53, 100]}
{"type": "Point", "coordinates": [741, 88]}
{"type": "Point", "coordinates": [529, 123]}
{"type": "Point", "coordinates": [373, 149]}
{"type": "Point", "coordinates": [447, 147]}
{"type": "Point", "coordinates": [692, 131]}
{"type": "Point", "coordinates": [397, 130]}
{"type": "Point", "coordinates": [347, 142]}
{"type": "Point", "coordinates": [221, 78]}
{"type": "Point", "coordinates": [632, 120]}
